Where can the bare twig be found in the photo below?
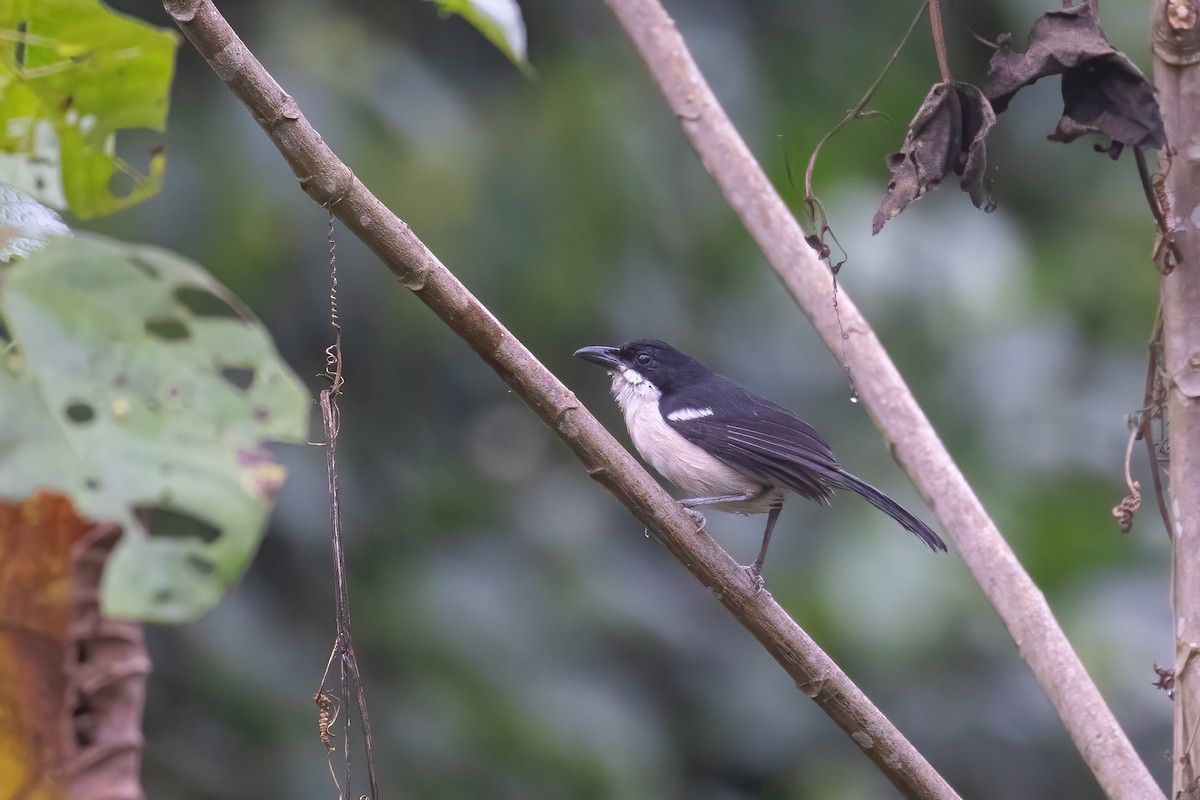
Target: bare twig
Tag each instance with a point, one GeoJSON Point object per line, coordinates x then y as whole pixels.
{"type": "Point", "coordinates": [1166, 231]}
{"type": "Point", "coordinates": [1152, 409]}
{"type": "Point", "coordinates": [939, 38]}
{"type": "Point", "coordinates": [974, 35]}
{"type": "Point", "coordinates": [914, 443]}
{"type": "Point", "coordinates": [343, 645]}
{"type": "Point", "coordinates": [816, 209]}
{"type": "Point", "coordinates": [812, 205]}
{"type": "Point", "coordinates": [326, 179]}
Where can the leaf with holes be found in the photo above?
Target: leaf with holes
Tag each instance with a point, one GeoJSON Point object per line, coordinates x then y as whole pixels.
{"type": "Point", "coordinates": [75, 79]}
{"type": "Point", "coordinates": [500, 21]}
{"type": "Point", "coordinates": [145, 391]}
{"type": "Point", "coordinates": [1103, 92]}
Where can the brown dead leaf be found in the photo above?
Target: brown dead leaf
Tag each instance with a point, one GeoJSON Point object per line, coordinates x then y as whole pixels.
{"type": "Point", "coordinates": [1103, 91]}
{"type": "Point", "coordinates": [947, 135]}
{"type": "Point", "coordinates": [72, 681]}
{"type": "Point", "coordinates": [36, 538]}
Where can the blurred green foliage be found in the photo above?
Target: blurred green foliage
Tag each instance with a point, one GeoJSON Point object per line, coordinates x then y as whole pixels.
{"type": "Point", "coordinates": [520, 637]}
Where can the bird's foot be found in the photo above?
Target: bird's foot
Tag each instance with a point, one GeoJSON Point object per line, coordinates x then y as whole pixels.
{"type": "Point", "coordinates": [755, 573]}
{"type": "Point", "coordinates": [697, 517]}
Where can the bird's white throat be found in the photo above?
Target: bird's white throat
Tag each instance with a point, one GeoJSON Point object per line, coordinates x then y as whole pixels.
{"type": "Point", "coordinates": [631, 391]}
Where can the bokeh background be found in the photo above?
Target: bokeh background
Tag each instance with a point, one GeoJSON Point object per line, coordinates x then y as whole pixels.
{"type": "Point", "coordinates": [520, 637]}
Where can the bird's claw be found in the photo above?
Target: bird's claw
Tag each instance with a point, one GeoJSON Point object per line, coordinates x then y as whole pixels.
{"type": "Point", "coordinates": [755, 573]}
{"type": "Point", "coordinates": [697, 517]}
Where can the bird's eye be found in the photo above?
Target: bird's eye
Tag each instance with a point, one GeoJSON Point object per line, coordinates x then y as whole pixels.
{"type": "Point", "coordinates": [644, 358]}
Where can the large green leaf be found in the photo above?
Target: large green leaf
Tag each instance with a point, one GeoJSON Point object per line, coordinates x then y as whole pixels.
{"type": "Point", "coordinates": [141, 388]}
{"type": "Point", "coordinates": [498, 20]}
{"type": "Point", "coordinates": [75, 76]}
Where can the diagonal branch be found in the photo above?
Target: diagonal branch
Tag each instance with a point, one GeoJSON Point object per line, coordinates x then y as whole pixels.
{"type": "Point", "coordinates": [332, 185]}
{"type": "Point", "coordinates": [913, 442]}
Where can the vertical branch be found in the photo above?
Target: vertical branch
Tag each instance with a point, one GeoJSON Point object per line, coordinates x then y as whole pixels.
{"type": "Point", "coordinates": [914, 443]}
{"type": "Point", "coordinates": [1177, 79]}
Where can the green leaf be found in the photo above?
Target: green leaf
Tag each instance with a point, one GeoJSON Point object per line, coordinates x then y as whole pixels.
{"type": "Point", "coordinates": [498, 20]}
{"type": "Point", "coordinates": [75, 77]}
{"type": "Point", "coordinates": [145, 391]}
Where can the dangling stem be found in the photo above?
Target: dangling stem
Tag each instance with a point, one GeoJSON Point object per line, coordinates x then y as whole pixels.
{"type": "Point", "coordinates": [939, 38]}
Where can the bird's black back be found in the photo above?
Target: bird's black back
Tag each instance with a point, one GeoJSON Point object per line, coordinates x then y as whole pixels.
{"type": "Point", "coordinates": [749, 432]}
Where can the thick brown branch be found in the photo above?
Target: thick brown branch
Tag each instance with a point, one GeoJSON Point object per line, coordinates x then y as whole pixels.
{"type": "Point", "coordinates": [1092, 727]}
{"type": "Point", "coordinates": [1177, 81]}
{"type": "Point", "coordinates": [330, 183]}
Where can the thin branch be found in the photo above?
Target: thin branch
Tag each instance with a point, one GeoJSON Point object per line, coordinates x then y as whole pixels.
{"type": "Point", "coordinates": [912, 440]}
{"type": "Point", "coordinates": [812, 204]}
{"type": "Point", "coordinates": [1153, 408]}
{"type": "Point", "coordinates": [327, 179]}
{"type": "Point", "coordinates": [939, 38]}
{"type": "Point", "coordinates": [1165, 230]}
{"type": "Point", "coordinates": [343, 644]}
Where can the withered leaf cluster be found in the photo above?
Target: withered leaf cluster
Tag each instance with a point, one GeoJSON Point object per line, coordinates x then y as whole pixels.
{"type": "Point", "coordinates": [1103, 92]}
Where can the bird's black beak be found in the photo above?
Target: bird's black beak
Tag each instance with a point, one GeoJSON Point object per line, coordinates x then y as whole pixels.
{"type": "Point", "coordinates": [604, 356]}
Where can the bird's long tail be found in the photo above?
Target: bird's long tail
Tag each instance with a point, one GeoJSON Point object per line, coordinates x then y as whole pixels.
{"type": "Point", "coordinates": [890, 507]}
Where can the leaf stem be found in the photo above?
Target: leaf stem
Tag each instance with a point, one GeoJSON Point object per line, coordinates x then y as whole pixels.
{"type": "Point", "coordinates": [939, 38]}
{"type": "Point", "coordinates": [857, 111]}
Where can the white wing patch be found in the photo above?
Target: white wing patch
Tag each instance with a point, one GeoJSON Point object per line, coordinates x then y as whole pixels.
{"type": "Point", "coordinates": [684, 414]}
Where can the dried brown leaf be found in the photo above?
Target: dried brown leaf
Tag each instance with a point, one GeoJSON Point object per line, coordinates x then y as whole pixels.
{"type": "Point", "coordinates": [947, 135]}
{"type": "Point", "coordinates": [1103, 92]}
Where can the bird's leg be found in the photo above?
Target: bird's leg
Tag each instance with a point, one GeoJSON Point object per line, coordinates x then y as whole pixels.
{"type": "Point", "coordinates": [689, 504]}
{"type": "Point", "coordinates": [755, 569]}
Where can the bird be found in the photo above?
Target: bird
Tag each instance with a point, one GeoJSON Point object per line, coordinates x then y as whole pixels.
{"type": "Point", "coordinates": [728, 448]}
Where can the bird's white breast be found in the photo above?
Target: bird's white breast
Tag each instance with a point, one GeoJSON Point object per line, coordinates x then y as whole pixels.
{"type": "Point", "coordinates": [674, 457]}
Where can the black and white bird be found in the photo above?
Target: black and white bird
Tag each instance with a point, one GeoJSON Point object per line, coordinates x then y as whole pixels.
{"type": "Point", "coordinates": [728, 448]}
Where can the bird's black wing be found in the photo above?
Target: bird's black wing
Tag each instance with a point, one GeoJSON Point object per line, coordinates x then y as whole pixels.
{"type": "Point", "coordinates": [756, 436]}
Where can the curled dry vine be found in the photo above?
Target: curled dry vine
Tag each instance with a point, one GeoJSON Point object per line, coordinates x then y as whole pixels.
{"type": "Point", "coordinates": [350, 679]}
{"type": "Point", "coordinates": [815, 209]}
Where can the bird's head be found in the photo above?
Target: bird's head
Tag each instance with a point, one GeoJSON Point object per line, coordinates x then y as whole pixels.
{"type": "Point", "coordinates": [646, 361]}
